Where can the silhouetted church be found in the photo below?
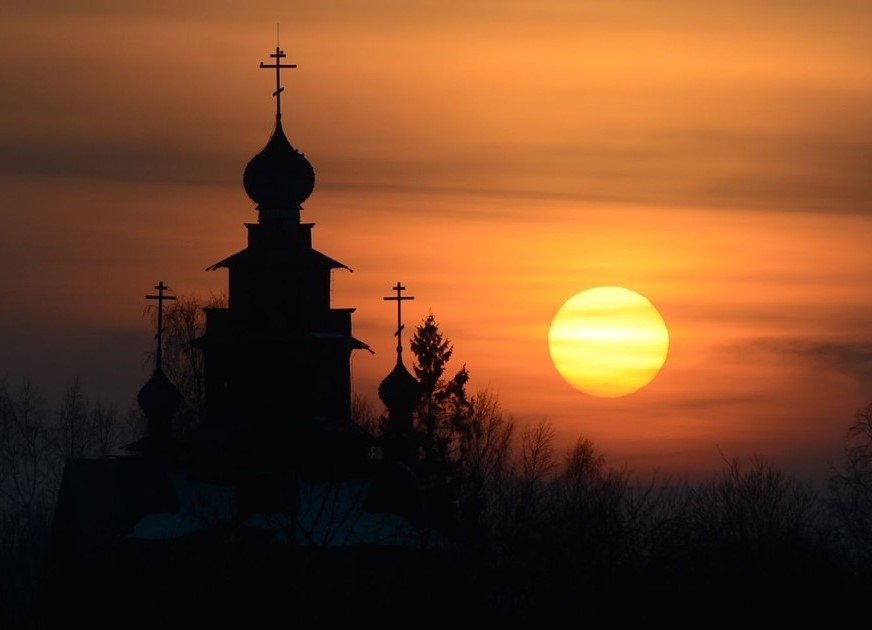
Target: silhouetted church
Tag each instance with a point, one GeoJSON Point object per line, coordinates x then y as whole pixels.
{"type": "Point", "coordinates": [278, 501]}
{"type": "Point", "coordinates": [277, 358]}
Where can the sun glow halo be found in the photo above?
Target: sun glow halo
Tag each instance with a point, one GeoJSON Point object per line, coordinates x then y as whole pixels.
{"type": "Point", "coordinates": [608, 341]}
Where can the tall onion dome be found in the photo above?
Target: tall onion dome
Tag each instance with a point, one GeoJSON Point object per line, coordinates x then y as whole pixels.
{"type": "Point", "coordinates": [159, 399]}
{"type": "Point", "coordinates": [279, 178]}
{"type": "Point", "coordinates": [400, 392]}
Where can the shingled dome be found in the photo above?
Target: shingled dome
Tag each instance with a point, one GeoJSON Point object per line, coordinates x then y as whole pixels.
{"type": "Point", "coordinates": [159, 397]}
{"type": "Point", "coordinates": [279, 176]}
{"type": "Point", "coordinates": [400, 391]}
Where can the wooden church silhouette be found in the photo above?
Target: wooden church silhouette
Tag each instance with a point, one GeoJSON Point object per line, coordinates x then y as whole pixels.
{"type": "Point", "coordinates": [278, 500]}
{"type": "Point", "coordinates": [277, 357]}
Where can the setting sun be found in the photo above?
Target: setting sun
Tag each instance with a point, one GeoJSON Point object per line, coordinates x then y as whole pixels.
{"type": "Point", "coordinates": [608, 341]}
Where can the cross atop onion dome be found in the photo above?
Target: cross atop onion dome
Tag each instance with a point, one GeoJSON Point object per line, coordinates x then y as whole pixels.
{"type": "Point", "coordinates": [279, 177]}
{"type": "Point", "coordinates": [159, 398]}
{"type": "Point", "coordinates": [399, 390]}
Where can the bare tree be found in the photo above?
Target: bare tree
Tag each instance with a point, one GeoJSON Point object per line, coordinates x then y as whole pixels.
{"type": "Point", "coordinates": [84, 428]}
{"type": "Point", "coordinates": [106, 429]}
{"type": "Point", "coordinates": [589, 515]}
{"type": "Point", "coordinates": [75, 435]}
{"type": "Point", "coordinates": [25, 464]}
{"type": "Point", "coordinates": [484, 458]}
{"type": "Point", "coordinates": [365, 415]}
{"type": "Point", "coordinates": [184, 321]}
{"type": "Point", "coordinates": [850, 486]}
{"type": "Point", "coordinates": [758, 527]}
{"type": "Point", "coordinates": [528, 492]}
{"type": "Point", "coordinates": [27, 491]}
{"type": "Point", "coordinates": [755, 502]}
{"type": "Point", "coordinates": [537, 453]}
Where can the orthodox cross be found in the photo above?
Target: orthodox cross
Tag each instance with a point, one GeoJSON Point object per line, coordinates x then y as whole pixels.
{"type": "Point", "coordinates": [399, 288]}
{"type": "Point", "coordinates": [160, 297]}
{"type": "Point", "coordinates": [278, 65]}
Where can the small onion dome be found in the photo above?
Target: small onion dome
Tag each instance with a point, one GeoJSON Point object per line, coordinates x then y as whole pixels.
{"type": "Point", "coordinates": [400, 391]}
{"type": "Point", "coordinates": [279, 176]}
{"type": "Point", "coordinates": [159, 398]}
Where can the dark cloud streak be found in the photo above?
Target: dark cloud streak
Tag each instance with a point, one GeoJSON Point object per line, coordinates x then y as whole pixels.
{"type": "Point", "coordinates": [851, 357]}
{"type": "Point", "coordinates": [124, 161]}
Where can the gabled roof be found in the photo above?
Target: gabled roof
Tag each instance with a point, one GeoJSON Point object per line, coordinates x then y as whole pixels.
{"type": "Point", "coordinates": [356, 344]}
{"type": "Point", "coordinates": [311, 257]}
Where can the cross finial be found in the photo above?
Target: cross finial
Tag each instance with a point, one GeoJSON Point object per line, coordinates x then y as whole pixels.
{"type": "Point", "coordinates": [278, 55]}
{"type": "Point", "coordinates": [160, 297]}
{"type": "Point", "coordinates": [399, 288]}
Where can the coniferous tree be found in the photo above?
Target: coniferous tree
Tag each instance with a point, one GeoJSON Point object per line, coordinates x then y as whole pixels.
{"type": "Point", "coordinates": [448, 430]}
{"type": "Point", "coordinates": [445, 409]}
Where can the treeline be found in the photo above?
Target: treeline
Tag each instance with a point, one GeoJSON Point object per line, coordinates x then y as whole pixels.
{"type": "Point", "coordinates": [540, 533]}
{"type": "Point", "coordinates": [543, 532]}
{"type": "Point", "coordinates": [546, 532]}
{"type": "Point", "coordinates": [558, 531]}
{"type": "Point", "coordinates": [35, 442]}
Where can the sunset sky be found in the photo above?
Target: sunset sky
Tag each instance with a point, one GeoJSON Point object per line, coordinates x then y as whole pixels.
{"type": "Point", "coordinates": [495, 157]}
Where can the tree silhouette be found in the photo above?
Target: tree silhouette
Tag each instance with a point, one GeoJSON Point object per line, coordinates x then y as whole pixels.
{"type": "Point", "coordinates": [25, 453]}
{"type": "Point", "coordinates": [445, 418]}
{"type": "Point", "coordinates": [538, 534]}
{"type": "Point", "coordinates": [74, 430]}
{"type": "Point", "coordinates": [851, 485]}
{"type": "Point", "coordinates": [444, 421]}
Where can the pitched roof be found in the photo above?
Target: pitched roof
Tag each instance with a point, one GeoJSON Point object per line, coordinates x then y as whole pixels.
{"type": "Point", "coordinates": [307, 257]}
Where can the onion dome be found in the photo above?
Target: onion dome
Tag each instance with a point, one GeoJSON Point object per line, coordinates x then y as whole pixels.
{"type": "Point", "coordinates": [279, 177]}
{"type": "Point", "coordinates": [400, 391]}
{"type": "Point", "coordinates": [159, 398]}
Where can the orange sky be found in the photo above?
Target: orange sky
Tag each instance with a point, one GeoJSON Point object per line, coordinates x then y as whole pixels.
{"type": "Point", "coordinates": [496, 159]}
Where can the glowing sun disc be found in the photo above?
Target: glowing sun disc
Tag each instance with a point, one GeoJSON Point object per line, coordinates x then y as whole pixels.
{"type": "Point", "coordinates": [608, 341]}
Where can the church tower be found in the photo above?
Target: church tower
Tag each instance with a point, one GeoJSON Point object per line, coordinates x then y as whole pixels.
{"type": "Point", "coordinates": [400, 392]}
{"type": "Point", "coordinates": [277, 357]}
{"type": "Point", "coordinates": [159, 398]}
{"type": "Point", "coordinates": [277, 503]}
